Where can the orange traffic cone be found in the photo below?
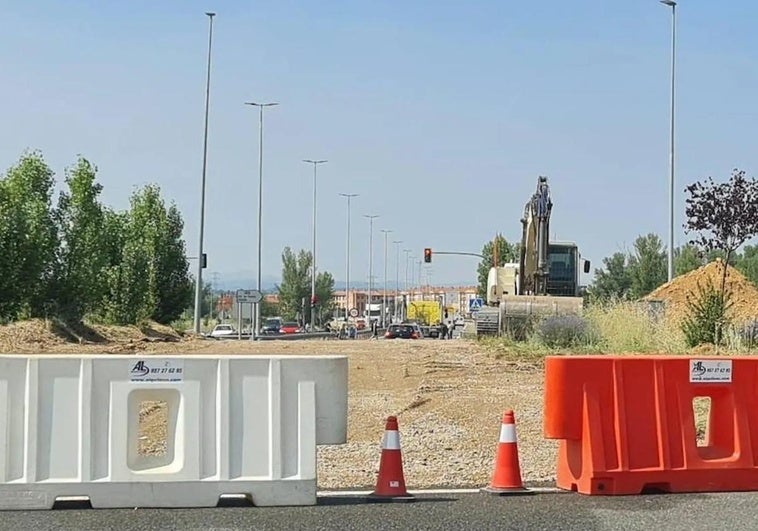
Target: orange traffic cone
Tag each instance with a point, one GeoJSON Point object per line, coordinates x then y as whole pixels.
{"type": "Point", "coordinates": [507, 476]}
{"type": "Point", "coordinates": [390, 485]}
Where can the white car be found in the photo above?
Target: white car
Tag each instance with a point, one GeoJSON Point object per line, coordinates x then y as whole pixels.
{"type": "Point", "coordinates": [223, 330]}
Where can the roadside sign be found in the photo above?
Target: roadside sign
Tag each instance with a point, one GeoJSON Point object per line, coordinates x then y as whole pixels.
{"type": "Point", "coordinates": [475, 304]}
{"type": "Point", "coordinates": [248, 296]}
{"type": "Point", "coordinates": [354, 312]}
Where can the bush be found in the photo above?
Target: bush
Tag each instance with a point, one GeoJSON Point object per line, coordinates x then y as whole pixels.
{"type": "Point", "coordinates": [564, 331]}
{"type": "Point", "coordinates": [627, 326]}
{"type": "Point", "coordinates": [707, 318]}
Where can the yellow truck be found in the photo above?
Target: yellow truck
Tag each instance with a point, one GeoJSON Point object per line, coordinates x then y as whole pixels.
{"type": "Point", "coordinates": [428, 314]}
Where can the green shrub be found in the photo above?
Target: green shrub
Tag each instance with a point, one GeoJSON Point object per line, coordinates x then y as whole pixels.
{"type": "Point", "coordinates": [707, 316]}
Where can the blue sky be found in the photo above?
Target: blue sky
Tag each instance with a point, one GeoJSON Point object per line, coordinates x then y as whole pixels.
{"type": "Point", "coordinates": [441, 115]}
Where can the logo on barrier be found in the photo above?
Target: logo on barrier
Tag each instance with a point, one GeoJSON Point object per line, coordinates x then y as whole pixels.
{"type": "Point", "coordinates": [156, 370]}
{"type": "Point", "coordinates": [708, 371]}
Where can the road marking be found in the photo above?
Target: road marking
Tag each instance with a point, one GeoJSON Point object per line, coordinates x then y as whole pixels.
{"type": "Point", "coordinates": [336, 493]}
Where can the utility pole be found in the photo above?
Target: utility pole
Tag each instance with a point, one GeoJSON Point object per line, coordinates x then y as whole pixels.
{"type": "Point", "coordinates": [347, 281]}
{"type": "Point", "coordinates": [371, 219]}
{"type": "Point", "coordinates": [200, 264]}
{"type": "Point", "coordinates": [313, 268]}
{"type": "Point", "coordinates": [397, 274]}
{"type": "Point", "coordinates": [256, 325]}
{"type": "Point", "coordinates": [384, 298]}
{"type": "Point", "coordinates": [672, 5]}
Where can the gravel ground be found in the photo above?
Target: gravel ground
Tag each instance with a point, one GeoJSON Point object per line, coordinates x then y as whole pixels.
{"type": "Point", "coordinates": [449, 397]}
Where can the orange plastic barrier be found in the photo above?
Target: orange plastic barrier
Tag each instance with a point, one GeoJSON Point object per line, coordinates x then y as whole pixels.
{"type": "Point", "coordinates": [627, 424]}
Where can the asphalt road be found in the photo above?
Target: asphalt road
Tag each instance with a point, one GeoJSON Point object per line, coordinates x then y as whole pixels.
{"type": "Point", "coordinates": [735, 511]}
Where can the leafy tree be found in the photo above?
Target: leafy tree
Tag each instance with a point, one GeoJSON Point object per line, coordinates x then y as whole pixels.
{"type": "Point", "coordinates": [647, 266]}
{"type": "Point", "coordinates": [296, 287]}
{"type": "Point", "coordinates": [28, 238]}
{"type": "Point", "coordinates": [747, 263]}
{"type": "Point", "coordinates": [506, 253]}
{"type": "Point", "coordinates": [614, 281]}
{"type": "Point", "coordinates": [724, 215]}
{"type": "Point", "coordinates": [151, 280]}
{"type": "Point", "coordinates": [633, 275]}
{"type": "Point", "coordinates": [173, 286]}
{"type": "Point", "coordinates": [268, 309]}
{"type": "Point", "coordinates": [324, 295]}
{"type": "Point", "coordinates": [687, 258]}
{"type": "Point", "coordinates": [83, 257]}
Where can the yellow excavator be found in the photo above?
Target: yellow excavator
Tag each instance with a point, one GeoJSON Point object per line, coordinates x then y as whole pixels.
{"type": "Point", "coordinates": [545, 280]}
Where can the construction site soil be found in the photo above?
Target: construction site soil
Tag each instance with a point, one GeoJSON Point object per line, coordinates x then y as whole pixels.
{"type": "Point", "coordinates": [675, 294]}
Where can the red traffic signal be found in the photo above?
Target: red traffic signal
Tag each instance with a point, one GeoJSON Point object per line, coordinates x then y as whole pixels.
{"type": "Point", "coordinates": [427, 255]}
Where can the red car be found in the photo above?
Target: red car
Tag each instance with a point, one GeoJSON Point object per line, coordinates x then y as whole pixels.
{"type": "Point", "coordinates": [289, 328]}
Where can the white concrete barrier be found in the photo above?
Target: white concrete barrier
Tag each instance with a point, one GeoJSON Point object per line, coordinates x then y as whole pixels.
{"type": "Point", "coordinates": [237, 425]}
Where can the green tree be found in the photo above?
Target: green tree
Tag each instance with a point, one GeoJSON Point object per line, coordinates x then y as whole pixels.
{"type": "Point", "coordinates": [28, 238]}
{"type": "Point", "coordinates": [613, 281]}
{"type": "Point", "coordinates": [506, 253]}
{"type": "Point", "coordinates": [173, 285]}
{"type": "Point", "coordinates": [747, 263]}
{"type": "Point", "coordinates": [151, 280]}
{"type": "Point", "coordinates": [687, 258]}
{"type": "Point", "coordinates": [83, 257]}
{"type": "Point", "coordinates": [295, 285]}
{"type": "Point", "coordinates": [325, 296]}
{"type": "Point", "coordinates": [295, 288]}
{"type": "Point", "coordinates": [647, 266]}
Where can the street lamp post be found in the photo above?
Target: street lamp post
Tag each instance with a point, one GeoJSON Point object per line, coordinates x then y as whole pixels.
{"type": "Point", "coordinates": [313, 268]}
{"type": "Point", "coordinates": [257, 316]}
{"type": "Point", "coordinates": [397, 273]}
{"type": "Point", "coordinates": [199, 282]}
{"type": "Point", "coordinates": [371, 219]}
{"type": "Point", "coordinates": [406, 297]}
{"type": "Point", "coordinates": [384, 298]}
{"type": "Point", "coordinates": [672, 5]}
{"type": "Point", "coordinates": [347, 281]}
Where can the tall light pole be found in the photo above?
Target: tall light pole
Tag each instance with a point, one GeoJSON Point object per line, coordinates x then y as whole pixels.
{"type": "Point", "coordinates": [397, 273]}
{"type": "Point", "coordinates": [257, 316]}
{"type": "Point", "coordinates": [199, 282]}
{"type": "Point", "coordinates": [313, 268]}
{"type": "Point", "coordinates": [371, 219]}
{"type": "Point", "coordinates": [347, 281]}
{"type": "Point", "coordinates": [406, 297]}
{"type": "Point", "coordinates": [384, 298]}
{"type": "Point", "coordinates": [407, 259]}
{"type": "Point", "coordinates": [672, 5]}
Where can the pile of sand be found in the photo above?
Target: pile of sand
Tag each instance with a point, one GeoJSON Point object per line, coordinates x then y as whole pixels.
{"type": "Point", "coordinates": [674, 294]}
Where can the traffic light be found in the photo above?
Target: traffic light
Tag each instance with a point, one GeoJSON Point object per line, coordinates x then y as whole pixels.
{"type": "Point", "coordinates": [428, 255]}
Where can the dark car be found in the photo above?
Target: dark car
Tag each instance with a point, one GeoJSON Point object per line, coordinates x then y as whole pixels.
{"type": "Point", "coordinates": [402, 331]}
{"type": "Point", "coordinates": [271, 326]}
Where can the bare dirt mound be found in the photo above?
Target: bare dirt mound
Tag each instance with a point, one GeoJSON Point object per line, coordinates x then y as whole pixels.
{"type": "Point", "coordinates": [33, 335]}
{"type": "Point", "coordinates": [676, 293]}
{"type": "Point", "coordinates": [52, 335]}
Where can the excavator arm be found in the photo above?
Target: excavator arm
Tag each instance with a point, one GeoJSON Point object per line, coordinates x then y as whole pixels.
{"type": "Point", "coordinates": [533, 265]}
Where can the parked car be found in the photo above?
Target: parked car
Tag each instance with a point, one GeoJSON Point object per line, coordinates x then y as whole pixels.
{"type": "Point", "coordinates": [223, 330]}
{"type": "Point", "coordinates": [271, 326]}
{"type": "Point", "coordinates": [403, 331]}
{"type": "Point", "coordinates": [290, 328]}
